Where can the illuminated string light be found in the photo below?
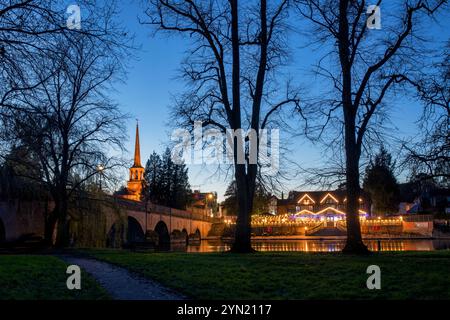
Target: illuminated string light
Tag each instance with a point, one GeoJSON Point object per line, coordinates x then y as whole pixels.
{"type": "Point", "coordinates": [305, 211]}
{"type": "Point", "coordinates": [360, 199]}
{"type": "Point", "coordinates": [306, 196]}
{"type": "Point", "coordinates": [332, 209]}
{"type": "Point", "coordinates": [330, 196]}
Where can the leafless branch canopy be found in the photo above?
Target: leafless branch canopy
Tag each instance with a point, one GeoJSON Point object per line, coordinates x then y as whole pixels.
{"type": "Point", "coordinates": [365, 68]}
{"type": "Point", "coordinates": [208, 67]}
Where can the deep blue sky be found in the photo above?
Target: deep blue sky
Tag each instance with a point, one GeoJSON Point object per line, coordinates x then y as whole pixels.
{"type": "Point", "coordinates": [151, 82]}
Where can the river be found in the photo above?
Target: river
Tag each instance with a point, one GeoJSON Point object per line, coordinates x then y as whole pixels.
{"type": "Point", "coordinates": [316, 245]}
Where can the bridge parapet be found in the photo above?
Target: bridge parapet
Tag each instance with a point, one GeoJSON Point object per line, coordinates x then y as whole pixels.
{"type": "Point", "coordinates": [158, 209]}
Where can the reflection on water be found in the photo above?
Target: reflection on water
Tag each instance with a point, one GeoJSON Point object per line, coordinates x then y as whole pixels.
{"type": "Point", "coordinates": [321, 245]}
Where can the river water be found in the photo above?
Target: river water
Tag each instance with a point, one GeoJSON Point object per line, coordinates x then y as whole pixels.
{"type": "Point", "coordinates": [316, 245]}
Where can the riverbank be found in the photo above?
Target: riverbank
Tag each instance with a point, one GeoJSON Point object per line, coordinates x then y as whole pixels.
{"type": "Point", "coordinates": [404, 275]}
{"type": "Point", "coordinates": [330, 244]}
{"type": "Point", "coordinates": [302, 237]}
{"type": "Point", "coordinates": [265, 275]}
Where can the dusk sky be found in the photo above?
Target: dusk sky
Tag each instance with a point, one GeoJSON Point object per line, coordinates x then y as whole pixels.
{"type": "Point", "coordinates": [147, 95]}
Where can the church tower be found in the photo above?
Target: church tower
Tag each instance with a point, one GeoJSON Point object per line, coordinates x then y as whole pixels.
{"type": "Point", "coordinates": [136, 182]}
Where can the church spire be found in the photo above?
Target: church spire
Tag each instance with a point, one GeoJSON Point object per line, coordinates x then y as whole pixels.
{"type": "Point", "coordinates": [135, 184]}
{"type": "Point", "coordinates": [137, 148]}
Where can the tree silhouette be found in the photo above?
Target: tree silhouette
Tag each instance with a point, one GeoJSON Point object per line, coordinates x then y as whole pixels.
{"type": "Point", "coordinates": [365, 69]}
{"type": "Point", "coordinates": [381, 184]}
{"type": "Point", "coordinates": [431, 156]}
{"type": "Point", "coordinates": [260, 201]}
{"type": "Point", "coordinates": [68, 123]}
{"type": "Point", "coordinates": [233, 80]}
{"type": "Point", "coordinates": [167, 183]}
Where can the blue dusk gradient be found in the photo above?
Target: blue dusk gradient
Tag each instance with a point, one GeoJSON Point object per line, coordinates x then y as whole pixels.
{"type": "Point", "coordinates": [152, 80]}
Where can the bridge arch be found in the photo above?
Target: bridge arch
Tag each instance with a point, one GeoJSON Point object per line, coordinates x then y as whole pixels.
{"type": "Point", "coordinates": [163, 234]}
{"type": "Point", "coordinates": [135, 233]}
{"type": "Point", "coordinates": [2, 231]}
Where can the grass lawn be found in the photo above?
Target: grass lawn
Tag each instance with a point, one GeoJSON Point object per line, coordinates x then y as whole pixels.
{"type": "Point", "coordinates": [405, 275]}
{"type": "Point", "coordinates": [31, 277]}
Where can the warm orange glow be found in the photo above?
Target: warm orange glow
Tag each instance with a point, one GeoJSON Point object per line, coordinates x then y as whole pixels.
{"type": "Point", "coordinates": [332, 209]}
{"type": "Point", "coordinates": [306, 196]}
{"type": "Point", "coordinates": [305, 211]}
{"type": "Point", "coordinates": [329, 196]}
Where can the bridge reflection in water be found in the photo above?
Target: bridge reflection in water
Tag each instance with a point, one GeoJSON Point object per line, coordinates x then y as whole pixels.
{"type": "Point", "coordinates": [321, 245]}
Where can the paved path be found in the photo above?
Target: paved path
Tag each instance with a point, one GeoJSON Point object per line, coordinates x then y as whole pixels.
{"type": "Point", "coordinates": [120, 283]}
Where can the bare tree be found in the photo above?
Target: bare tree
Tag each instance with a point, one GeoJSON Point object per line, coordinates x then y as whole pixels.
{"type": "Point", "coordinates": [29, 31]}
{"type": "Point", "coordinates": [369, 68]}
{"type": "Point", "coordinates": [52, 97]}
{"type": "Point", "coordinates": [231, 72]}
{"type": "Point", "coordinates": [430, 158]}
{"type": "Point", "coordinates": [26, 29]}
{"type": "Point", "coordinates": [69, 123]}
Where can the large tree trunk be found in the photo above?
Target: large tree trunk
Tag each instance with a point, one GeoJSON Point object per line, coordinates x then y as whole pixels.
{"type": "Point", "coordinates": [62, 235]}
{"type": "Point", "coordinates": [242, 242]}
{"type": "Point", "coordinates": [354, 242]}
{"type": "Point", "coordinates": [50, 224]}
{"type": "Point", "coordinates": [246, 181]}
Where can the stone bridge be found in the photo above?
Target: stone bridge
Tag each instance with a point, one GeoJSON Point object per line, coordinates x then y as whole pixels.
{"type": "Point", "coordinates": [168, 223]}
{"type": "Point", "coordinates": [18, 219]}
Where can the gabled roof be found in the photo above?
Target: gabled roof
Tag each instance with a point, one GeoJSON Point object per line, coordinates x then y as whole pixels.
{"type": "Point", "coordinates": [319, 196]}
{"type": "Point", "coordinates": [306, 196]}
{"type": "Point", "coordinates": [316, 197]}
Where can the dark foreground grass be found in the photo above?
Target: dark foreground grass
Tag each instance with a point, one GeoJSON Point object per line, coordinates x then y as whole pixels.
{"type": "Point", "coordinates": [42, 278]}
{"type": "Point", "coordinates": [406, 275]}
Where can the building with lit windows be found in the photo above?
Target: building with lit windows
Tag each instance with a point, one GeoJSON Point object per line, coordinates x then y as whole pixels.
{"type": "Point", "coordinates": [324, 205]}
{"type": "Point", "coordinates": [323, 213]}
{"type": "Point", "coordinates": [309, 212]}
